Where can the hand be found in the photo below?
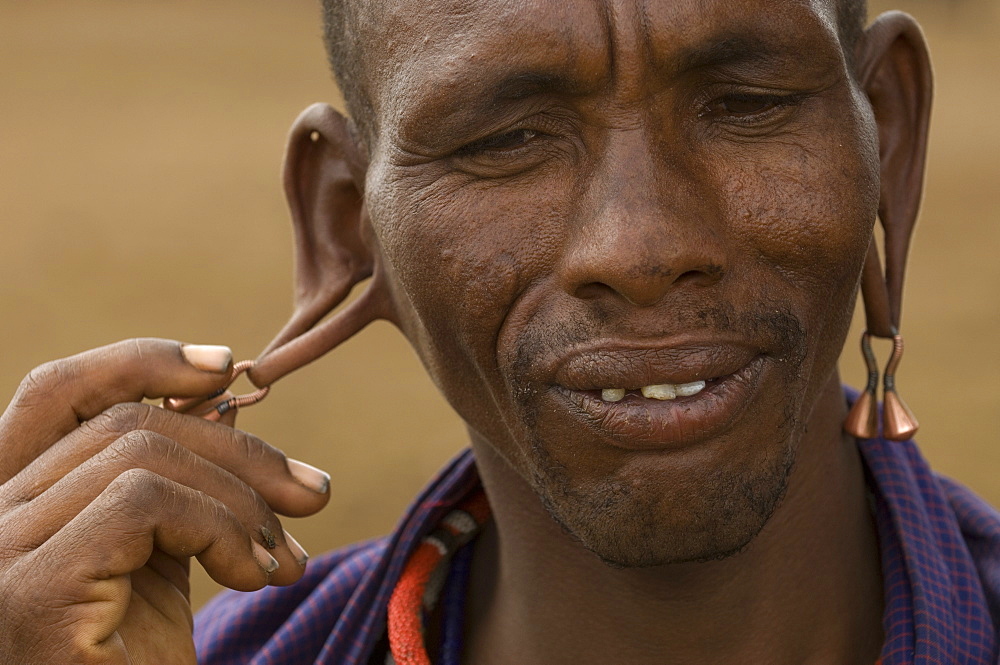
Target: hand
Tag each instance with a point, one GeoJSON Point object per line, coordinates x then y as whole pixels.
{"type": "Point", "coordinates": [103, 500]}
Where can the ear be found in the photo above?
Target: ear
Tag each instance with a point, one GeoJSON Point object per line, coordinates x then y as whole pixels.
{"type": "Point", "coordinates": [894, 70]}
{"type": "Point", "coordinates": [324, 175]}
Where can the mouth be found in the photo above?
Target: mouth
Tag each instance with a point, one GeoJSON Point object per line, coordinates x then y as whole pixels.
{"type": "Point", "coordinates": [660, 399]}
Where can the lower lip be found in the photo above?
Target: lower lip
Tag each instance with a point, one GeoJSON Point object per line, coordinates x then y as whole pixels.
{"type": "Point", "coordinates": [637, 423]}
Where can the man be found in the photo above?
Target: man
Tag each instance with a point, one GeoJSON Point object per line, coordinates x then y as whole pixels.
{"type": "Point", "coordinates": [627, 251]}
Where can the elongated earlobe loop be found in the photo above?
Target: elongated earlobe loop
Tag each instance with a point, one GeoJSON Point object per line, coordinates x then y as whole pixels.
{"type": "Point", "coordinates": [882, 309]}
{"type": "Point", "coordinates": [285, 358]}
{"type": "Point", "coordinates": [371, 305]}
{"type": "Point", "coordinates": [335, 252]}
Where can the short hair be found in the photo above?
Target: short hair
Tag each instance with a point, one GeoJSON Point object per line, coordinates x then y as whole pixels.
{"type": "Point", "coordinates": [341, 34]}
{"type": "Point", "coordinates": [343, 48]}
{"type": "Point", "coordinates": [852, 16]}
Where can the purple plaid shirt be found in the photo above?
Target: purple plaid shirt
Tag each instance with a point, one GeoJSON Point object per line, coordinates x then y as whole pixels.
{"type": "Point", "coordinates": [940, 559]}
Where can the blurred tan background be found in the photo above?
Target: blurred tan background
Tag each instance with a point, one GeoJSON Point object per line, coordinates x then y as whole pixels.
{"type": "Point", "coordinates": [140, 145]}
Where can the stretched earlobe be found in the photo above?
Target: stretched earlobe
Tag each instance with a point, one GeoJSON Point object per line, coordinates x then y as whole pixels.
{"type": "Point", "coordinates": [324, 173]}
{"type": "Point", "coordinates": [894, 70]}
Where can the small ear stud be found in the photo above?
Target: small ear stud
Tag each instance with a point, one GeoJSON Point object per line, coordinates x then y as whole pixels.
{"type": "Point", "coordinates": [898, 422]}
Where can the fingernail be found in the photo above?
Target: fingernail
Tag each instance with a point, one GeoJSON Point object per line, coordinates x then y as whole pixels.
{"type": "Point", "coordinates": [269, 541]}
{"type": "Point", "coordinates": [297, 551]}
{"type": "Point", "coordinates": [266, 561]}
{"type": "Point", "coordinates": [208, 358]}
{"type": "Point", "coordinates": [309, 476]}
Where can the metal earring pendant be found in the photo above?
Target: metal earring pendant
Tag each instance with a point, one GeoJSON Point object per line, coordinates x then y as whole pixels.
{"type": "Point", "coordinates": [898, 422]}
{"type": "Point", "coordinates": [862, 420]}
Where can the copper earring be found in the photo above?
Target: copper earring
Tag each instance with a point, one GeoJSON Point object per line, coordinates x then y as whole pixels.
{"type": "Point", "coordinates": [189, 404]}
{"type": "Point", "coordinates": [898, 422]}
{"type": "Point", "coordinates": [862, 421]}
{"type": "Point", "coordinates": [238, 401]}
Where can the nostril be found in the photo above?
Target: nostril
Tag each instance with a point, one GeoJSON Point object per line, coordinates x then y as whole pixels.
{"type": "Point", "coordinates": [707, 273]}
{"type": "Point", "coordinates": [689, 276]}
{"type": "Point", "coordinates": [593, 290]}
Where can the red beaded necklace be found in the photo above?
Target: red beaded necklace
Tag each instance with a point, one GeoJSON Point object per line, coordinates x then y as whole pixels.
{"type": "Point", "coordinates": [423, 577]}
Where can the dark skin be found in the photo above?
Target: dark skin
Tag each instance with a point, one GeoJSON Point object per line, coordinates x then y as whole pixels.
{"type": "Point", "coordinates": [632, 197]}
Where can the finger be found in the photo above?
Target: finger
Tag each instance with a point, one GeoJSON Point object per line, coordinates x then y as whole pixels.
{"type": "Point", "coordinates": [290, 487]}
{"type": "Point", "coordinates": [90, 559]}
{"type": "Point", "coordinates": [35, 522]}
{"type": "Point", "coordinates": [57, 396]}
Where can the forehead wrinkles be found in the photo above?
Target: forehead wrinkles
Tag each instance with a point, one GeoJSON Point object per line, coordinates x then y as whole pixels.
{"type": "Point", "coordinates": [419, 53]}
{"type": "Point", "coordinates": [426, 48]}
{"type": "Point", "coordinates": [700, 22]}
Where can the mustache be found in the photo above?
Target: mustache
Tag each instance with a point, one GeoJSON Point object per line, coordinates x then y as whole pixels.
{"type": "Point", "coordinates": [770, 325]}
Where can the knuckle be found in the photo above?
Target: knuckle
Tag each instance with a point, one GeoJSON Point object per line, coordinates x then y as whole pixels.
{"type": "Point", "coordinates": [141, 448]}
{"type": "Point", "coordinates": [136, 491]}
{"type": "Point", "coordinates": [42, 381]}
{"type": "Point", "coordinates": [143, 480]}
{"type": "Point", "coordinates": [121, 418]}
{"type": "Point", "coordinates": [139, 445]}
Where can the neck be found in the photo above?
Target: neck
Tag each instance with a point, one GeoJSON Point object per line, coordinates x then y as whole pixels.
{"type": "Point", "coordinates": [806, 590]}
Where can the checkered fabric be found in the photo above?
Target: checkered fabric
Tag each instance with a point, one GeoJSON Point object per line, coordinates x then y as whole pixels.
{"type": "Point", "coordinates": [940, 558]}
{"type": "Point", "coordinates": [940, 561]}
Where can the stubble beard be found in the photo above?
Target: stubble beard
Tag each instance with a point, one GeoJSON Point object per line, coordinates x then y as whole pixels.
{"type": "Point", "coordinates": [710, 517]}
{"type": "Point", "coordinates": [628, 528]}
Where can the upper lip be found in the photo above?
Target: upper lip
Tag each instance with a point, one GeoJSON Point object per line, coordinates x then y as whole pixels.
{"type": "Point", "coordinates": [631, 366]}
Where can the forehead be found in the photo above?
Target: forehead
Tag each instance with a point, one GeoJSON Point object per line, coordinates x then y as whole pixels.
{"type": "Point", "coordinates": [422, 53]}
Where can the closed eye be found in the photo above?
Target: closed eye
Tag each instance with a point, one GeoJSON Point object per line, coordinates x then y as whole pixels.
{"type": "Point", "coordinates": [499, 143]}
{"type": "Point", "coordinates": [749, 107]}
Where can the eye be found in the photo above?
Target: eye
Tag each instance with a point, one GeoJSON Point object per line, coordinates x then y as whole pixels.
{"type": "Point", "coordinates": [499, 143]}
{"type": "Point", "coordinates": [748, 104]}
{"type": "Point", "coordinates": [749, 107]}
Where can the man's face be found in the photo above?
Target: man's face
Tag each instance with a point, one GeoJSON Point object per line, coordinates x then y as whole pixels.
{"type": "Point", "coordinates": [575, 199]}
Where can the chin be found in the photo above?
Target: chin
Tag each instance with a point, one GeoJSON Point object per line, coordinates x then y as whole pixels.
{"type": "Point", "coordinates": [630, 520]}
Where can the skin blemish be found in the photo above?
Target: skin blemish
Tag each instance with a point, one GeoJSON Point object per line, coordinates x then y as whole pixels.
{"type": "Point", "coordinates": [268, 538]}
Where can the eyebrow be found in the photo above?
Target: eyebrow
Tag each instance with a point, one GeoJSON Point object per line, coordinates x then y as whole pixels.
{"type": "Point", "coordinates": [728, 49]}
{"type": "Point", "coordinates": [734, 49]}
{"type": "Point", "coordinates": [529, 83]}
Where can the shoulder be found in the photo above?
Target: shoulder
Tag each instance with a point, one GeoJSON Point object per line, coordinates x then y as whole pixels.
{"type": "Point", "coordinates": [980, 526]}
{"type": "Point", "coordinates": [337, 612]}
{"type": "Point", "coordinates": [285, 624]}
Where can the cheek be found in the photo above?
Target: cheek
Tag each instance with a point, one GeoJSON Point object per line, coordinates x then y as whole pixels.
{"type": "Point", "coordinates": [460, 257]}
{"type": "Point", "coordinates": [807, 217]}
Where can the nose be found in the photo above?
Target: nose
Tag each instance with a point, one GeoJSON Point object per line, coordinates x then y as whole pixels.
{"type": "Point", "coordinates": [644, 227]}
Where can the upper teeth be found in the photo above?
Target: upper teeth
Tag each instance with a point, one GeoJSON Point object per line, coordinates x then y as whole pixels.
{"type": "Point", "coordinates": [659, 391]}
